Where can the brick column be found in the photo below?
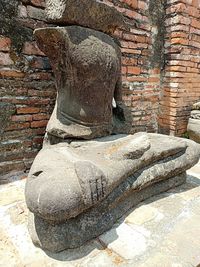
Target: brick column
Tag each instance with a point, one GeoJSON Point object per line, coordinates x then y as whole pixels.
{"type": "Point", "coordinates": [181, 85]}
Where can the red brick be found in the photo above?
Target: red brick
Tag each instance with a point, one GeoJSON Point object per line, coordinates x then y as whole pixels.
{"type": "Point", "coordinates": [5, 44]}
{"type": "Point", "coordinates": [40, 117]}
{"type": "Point", "coordinates": [154, 80]}
{"type": "Point", "coordinates": [27, 110]}
{"type": "Point", "coordinates": [195, 23]}
{"type": "Point", "coordinates": [5, 59]}
{"type": "Point", "coordinates": [196, 3]}
{"type": "Point", "coordinates": [195, 44]}
{"type": "Point", "coordinates": [178, 35]}
{"type": "Point", "coordinates": [18, 126]}
{"type": "Point", "coordinates": [39, 76]}
{"type": "Point", "coordinates": [38, 140]}
{"type": "Point", "coordinates": [142, 5]}
{"type": "Point", "coordinates": [21, 118]}
{"type": "Point", "coordinates": [131, 51]}
{"type": "Point", "coordinates": [131, 3]}
{"type": "Point", "coordinates": [134, 38]}
{"type": "Point", "coordinates": [39, 124]}
{"type": "Point", "coordinates": [6, 73]}
{"type": "Point", "coordinates": [175, 68]}
{"type": "Point", "coordinates": [133, 70]}
{"type": "Point", "coordinates": [40, 131]}
{"type": "Point", "coordinates": [192, 11]}
{"type": "Point", "coordinates": [31, 48]}
{"type": "Point", "coordinates": [178, 19]}
{"type": "Point", "coordinates": [129, 61]}
{"type": "Point", "coordinates": [181, 41]}
{"type": "Point", "coordinates": [137, 79]}
{"type": "Point", "coordinates": [39, 3]}
{"type": "Point", "coordinates": [176, 8]}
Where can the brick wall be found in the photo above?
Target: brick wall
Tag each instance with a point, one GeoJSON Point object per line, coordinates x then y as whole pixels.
{"type": "Point", "coordinates": [142, 60]}
{"type": "Point", "coordinates": [159, 72]}
{"type": "Point", "coordinates": [27, 92]}
{"type": "Point", "coordinates": [181, 78]}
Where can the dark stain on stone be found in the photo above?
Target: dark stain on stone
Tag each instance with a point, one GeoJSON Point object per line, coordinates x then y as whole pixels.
{"type": "Point", "coordinates": [157, 16]}
{"type": "Point", "coordinates": [6, 110]}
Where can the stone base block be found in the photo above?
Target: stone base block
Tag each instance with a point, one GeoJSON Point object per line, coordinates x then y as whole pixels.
{"type": "Point", "coordinates": [194, 128]}
{"type": "Point", "coordinates": [97, 219]}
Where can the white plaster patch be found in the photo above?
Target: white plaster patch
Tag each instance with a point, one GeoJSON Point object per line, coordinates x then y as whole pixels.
{"type": "Point", "coordinates": [125, 241]}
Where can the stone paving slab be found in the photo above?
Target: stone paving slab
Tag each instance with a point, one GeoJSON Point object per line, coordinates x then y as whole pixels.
{"type": "Point", "coordinates": [162, 231]}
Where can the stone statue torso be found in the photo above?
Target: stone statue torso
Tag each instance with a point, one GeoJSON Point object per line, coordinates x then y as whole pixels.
{"type": "Point", "coordinates": [87, 65]}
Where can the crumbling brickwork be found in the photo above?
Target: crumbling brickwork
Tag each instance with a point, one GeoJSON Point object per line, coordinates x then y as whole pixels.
{"type": "Point", "coordinates": [180, 85]}
{"type": "Point", "coordinates": [142, 49]}
{"type": "Point", "coordinates": [160, 71]}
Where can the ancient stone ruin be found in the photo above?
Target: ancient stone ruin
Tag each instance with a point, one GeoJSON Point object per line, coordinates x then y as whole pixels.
{"type": "Point", "coordinates": [86, 177]}
{"type": "Point", "coordinates": [194, 123]}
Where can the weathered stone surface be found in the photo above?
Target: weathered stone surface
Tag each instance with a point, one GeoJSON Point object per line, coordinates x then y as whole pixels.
{"type": "Point", "coordinates": [87, 66]}
{"type": "Point", "coordinates": [76, 231]}
{"type": "Point", "coordinates": [195, 114]}
{"type": "Point", "coordinates": [88, 185]}
{"type": "Point", "coordinates": [35, 13]}
{"type": "Point", "coordinates": [196, 106]}
{"type": "Point", "coordinates": [88, 13]}
{"type": "Point", "coordinates": [131, 243]}
{"type": "Point", "coordinates": [193, 127]}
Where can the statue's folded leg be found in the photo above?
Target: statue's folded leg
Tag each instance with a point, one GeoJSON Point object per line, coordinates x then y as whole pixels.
{"type": "Point", "coordinates": [76, 231]}
{"type": "Point", "coordinates": [84, 187]}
